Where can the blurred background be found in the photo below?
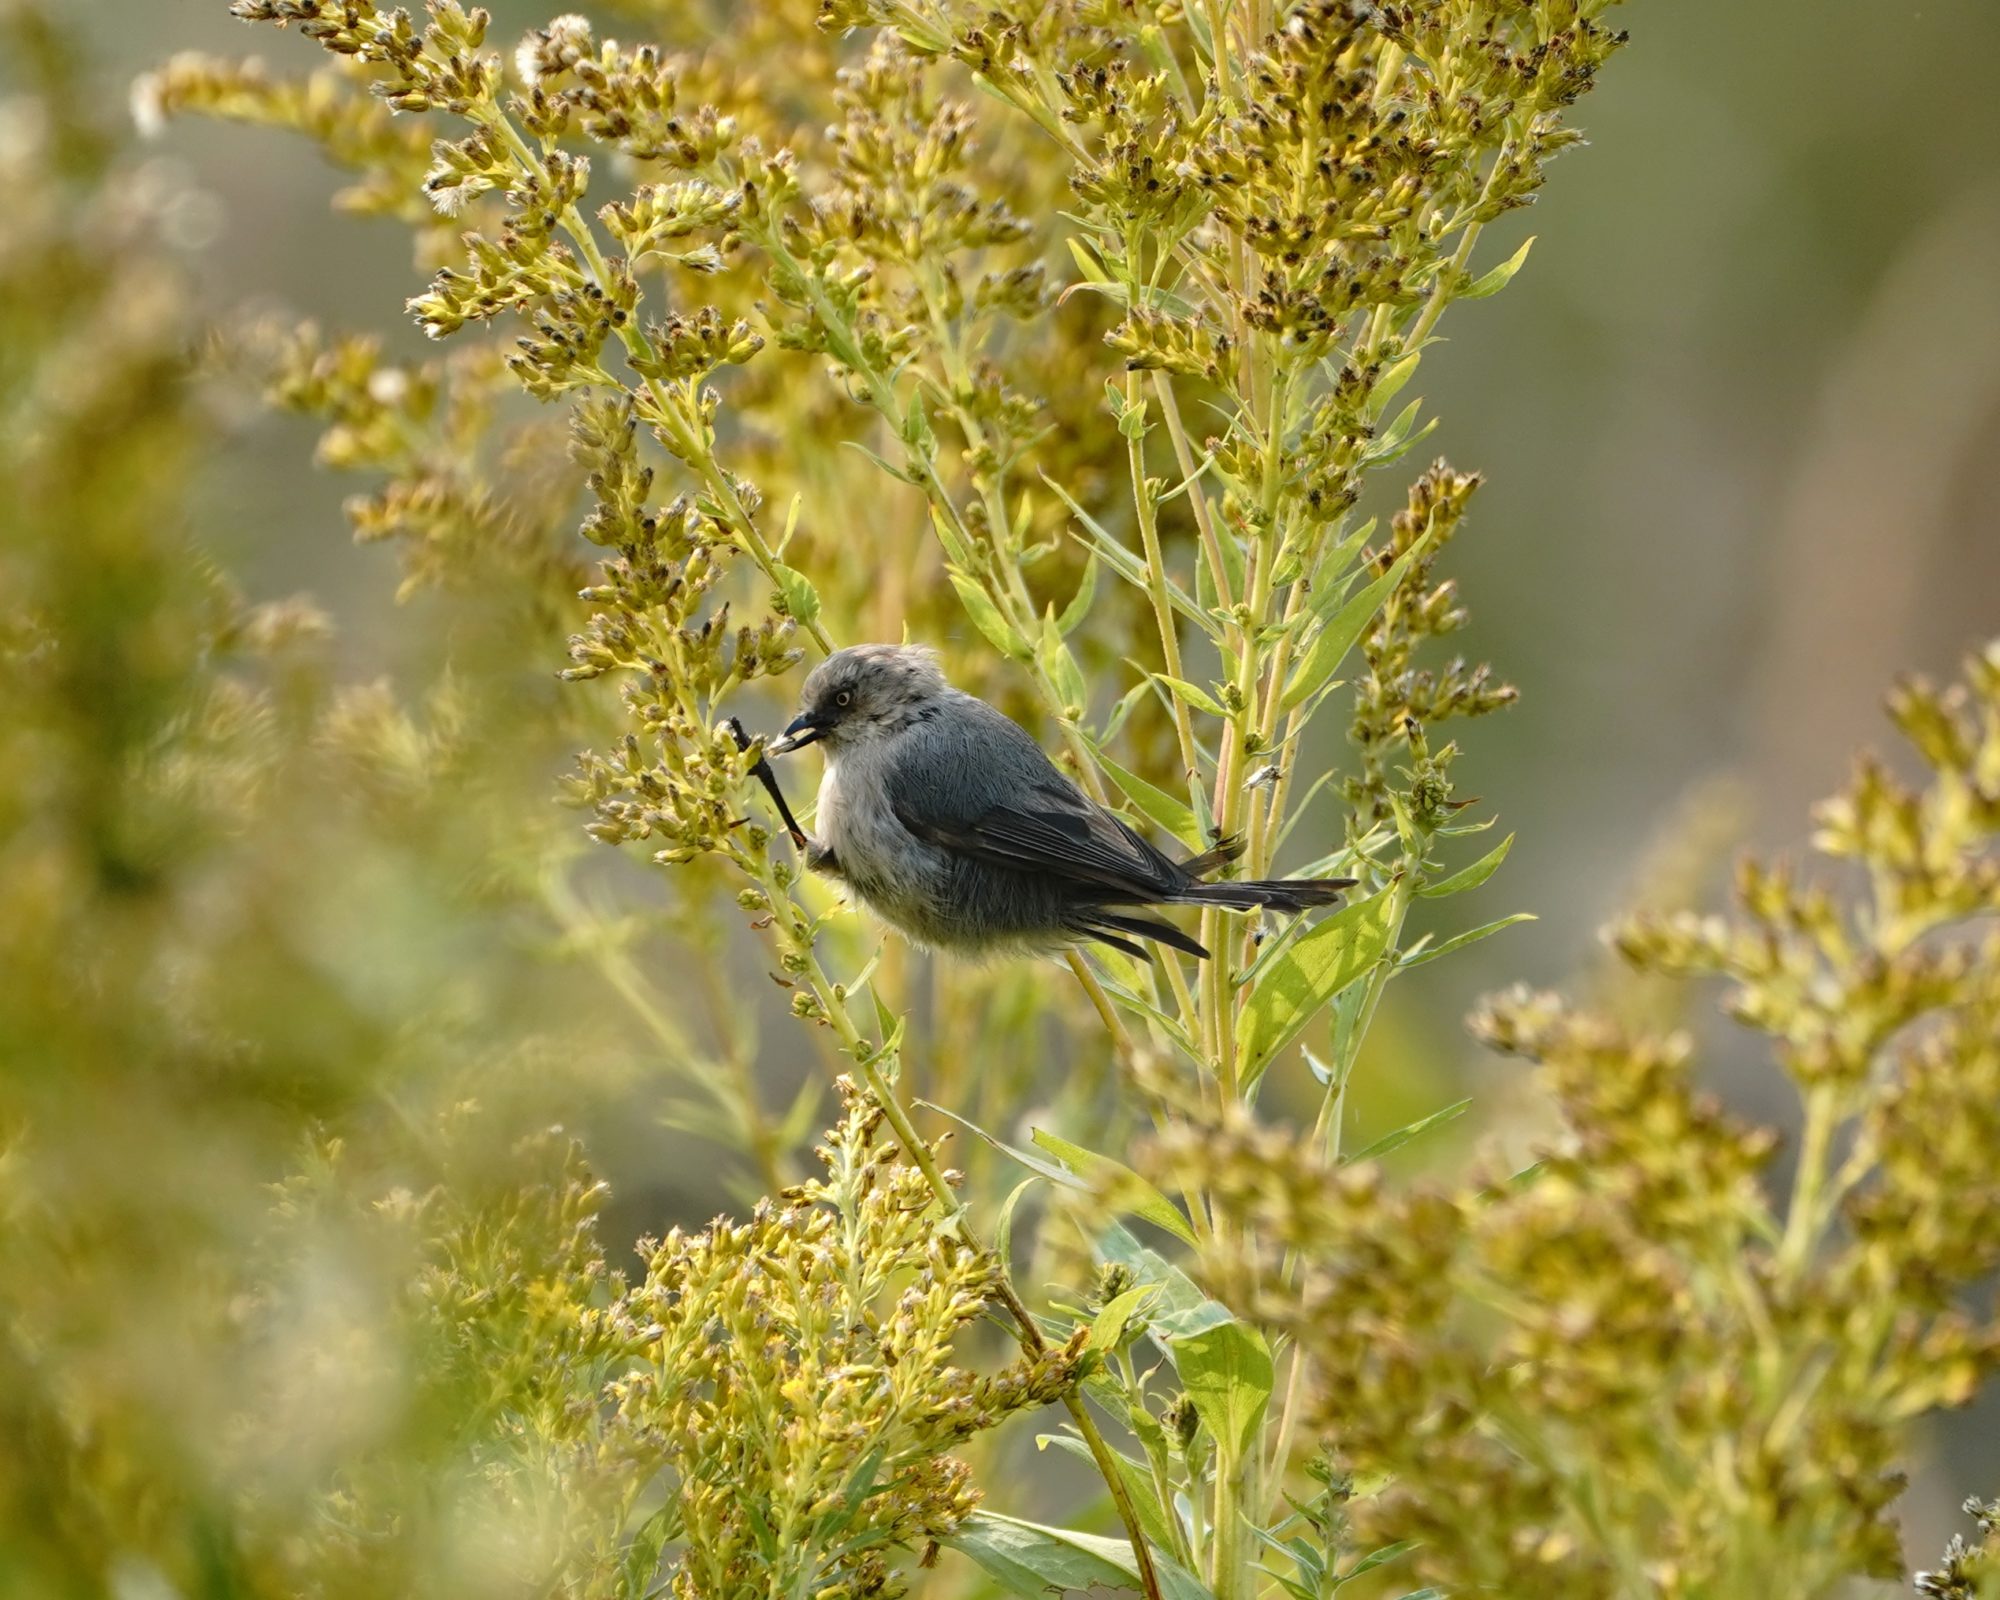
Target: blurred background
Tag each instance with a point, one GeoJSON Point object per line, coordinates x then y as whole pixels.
{"type": "Point", "coordinates": [1740, 415]}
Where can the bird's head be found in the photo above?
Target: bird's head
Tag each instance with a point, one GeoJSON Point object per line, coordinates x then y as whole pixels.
{"type": "Point", "coordinates": [863, 692]}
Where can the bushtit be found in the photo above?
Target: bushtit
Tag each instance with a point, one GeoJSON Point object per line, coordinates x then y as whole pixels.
{"type": "Point", "coordinates": [945, 817]}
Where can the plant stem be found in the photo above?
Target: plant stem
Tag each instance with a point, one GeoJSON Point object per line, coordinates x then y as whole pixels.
{"type": "Point", "coordinates": [1028, 1332]}
{"type": "Point", "coordinates": [1229, 1564]}
{"type": "Point", "coordinates": [1121, 1040]}
{"type": "Point", "coordinates": [868, 1059]}
{"type": "Point", "coordinates": [1803, 1218]}
{"type": "Point", "coordinates": [1156, 582]}
{"type": "Point", "coordinates": [1204, 519]}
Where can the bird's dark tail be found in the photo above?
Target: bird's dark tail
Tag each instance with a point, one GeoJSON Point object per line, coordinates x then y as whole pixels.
{"type": "Point", "coordinates": [1106, 927]}
{"type": "Point", "coordinates": [1249, 894]}
{"type": "Point", "coordinates": [1275, 894]}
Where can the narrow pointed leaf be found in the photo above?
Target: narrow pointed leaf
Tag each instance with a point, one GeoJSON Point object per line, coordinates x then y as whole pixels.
{"type": "Point", "coordinates": [1470, 877]}
{"type": "Point", "coordinates": [1054, 1171]}
{"type": "Point", "coordinates": [1003, 1229]}
{"type": "Point", "coordinates": [1193, 695]}
{"type": "Point", "coordinates": [1122, 1188]}
{"type": "Point", "coordinates": [987, 619]}
{"type": "Point", "coordinates": [1403, 1135]}
{"type": "Point", "coordinates": [1317, 967]}
{"type": "Point", "coordinates": [1390, 384]}
{"type": "Point", "coordinates": [1138, 1485]}
{"type": "Point", "coordinates": [1080, 602]}
{"type": "Point", "coordinates": [1154, 803]}
{"type": "Point", "coordinates": [1494, 281]}
{"type": "Point", "coordinates": [1330, 645]}
{"type": "Point", "coordinates": [1485, 931]}
{"type": "Point", "coordinates": [1060, 669]}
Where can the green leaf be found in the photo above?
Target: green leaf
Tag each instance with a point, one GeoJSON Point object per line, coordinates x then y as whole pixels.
{"type": "Point", "coordinates": [1340, 555]}
{"type": "Point", "coordinates": [1187, 484]}
{"type": "Point", "coordinates": [1399, 443]}
{"type": "Point", "coordinates": [795, 589]}
{"type": "Point", "coordinates": [1394, 436]}
{"type": "Point", "coordinates": [1003, 1230]}
{"type": "Point", "coordinates": [890, 1024]}
{"type": "Point", "coordinates": [1494, 281]}
{"type": "Point", "coordinates": [895, 472]}
{"type": "Point", "coordinates": [1182, 1309]}
{"type": "Point", "coordinates": [987, 619]}
{"type": "Point", "coordinates": [791, 524]}
{"type": "Point", "coordinates": [1403, 1135]}
{"type": "Point", "coordinates": [1189, 694]}
{"type": "Point", "coordinates": [1125, 995]}
{"type": "Point", "coordinates": [1121, 294]}
{"type": "Point", "coordinates": [1228, 1374]}
{"type": "Point", "coordinates": [927, 43]}
{"type": "Point", "coordinates": [1231, 550]}
{"type": "Point", "coordinates": [1390, 384]}
{"type": "Point", "coordinates": [955, 550]}
{"type": "Point", "coordinates": [1485, 931]}
{"type": "Point", "coordinates": [1379, 1557]}
{"type": "Point", "coordinates": [1316, 967]}
{"type": "Point", "coordinates": [1471, 877]}
{"type": "Point", "coordinates": [1109, 1325]}
{"type": "Point", "coordinates": [1119, 559]}
{"type": "Point", "coordinates": [1086, 261]}
{"type": "Point", "coordinates": [1297, 1550]}
{"type": "Point", "coordinates": [1331, 644]}
{"type": "Point", "coordinates": [917, 432]}
{"type": "Point", "coordinates": [1060, 669]}
{"type": "Point", "coordinates": [1155, 804]}
{"type": "Point", "coordinates": [1080, 602]}
{"type": "Point", "coordinates": [1138, 1482]}
{"type": "Point", "coordinates": [1130, 414]}
{"type": "Point", "coordinates": [1054, 1171]}
{"type": "Point", "coordinates": [1120, 712]}
{"type": "Point", "coordinates": [1032, 1561]}
{"type": "Point", "coordinates": [1525, 1178]}
{"type": "Point", "coordinates": [1123, 1189]}
{"type": "Point", "coordinates": [1342, 1030]}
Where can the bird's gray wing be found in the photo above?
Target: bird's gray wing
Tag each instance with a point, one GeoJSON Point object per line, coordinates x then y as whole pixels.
{"type": "Point", "coordinates": [980, 787]}
{"type": "Point", "coordinates": [1054, 836]}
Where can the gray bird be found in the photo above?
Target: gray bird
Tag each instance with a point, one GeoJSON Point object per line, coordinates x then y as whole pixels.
{"type": "Point", "coordinates": [947, 819]}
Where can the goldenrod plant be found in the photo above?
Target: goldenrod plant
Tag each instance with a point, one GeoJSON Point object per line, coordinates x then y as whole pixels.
{"type": "Point", "coordinates": [1968, 1573]}
{"type": "Point", "coordinates": [1081, 341]}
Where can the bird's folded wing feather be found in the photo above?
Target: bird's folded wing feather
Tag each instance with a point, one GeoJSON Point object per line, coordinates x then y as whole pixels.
{"type": "Point", "coordinates": [1060, 833]}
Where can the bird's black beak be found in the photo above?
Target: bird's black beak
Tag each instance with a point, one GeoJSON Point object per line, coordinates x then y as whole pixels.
{"type": "Point", "coordinates": [803, 731]}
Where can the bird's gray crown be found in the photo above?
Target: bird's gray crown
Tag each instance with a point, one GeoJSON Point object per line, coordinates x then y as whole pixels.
{"type": "Point", "coordinates": [865, 690]}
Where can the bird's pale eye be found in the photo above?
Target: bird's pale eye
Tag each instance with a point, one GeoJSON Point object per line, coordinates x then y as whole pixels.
{"type": "Point", "coordinates": [844, 699]}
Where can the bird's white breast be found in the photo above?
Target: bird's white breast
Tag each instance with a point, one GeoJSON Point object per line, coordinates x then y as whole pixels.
{"type": "Point", "coordinates": [857, 821]}
{"type": "Point", "coordinates": [826, 808]}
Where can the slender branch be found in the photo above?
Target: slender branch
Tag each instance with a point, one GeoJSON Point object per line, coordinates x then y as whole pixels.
{"type": "Point", "coordinates": [868, 1058]}
{"type": "Point", "coordinates": [1156, 583]}
{"type": "Point", "coordinates": [1204, 520]}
